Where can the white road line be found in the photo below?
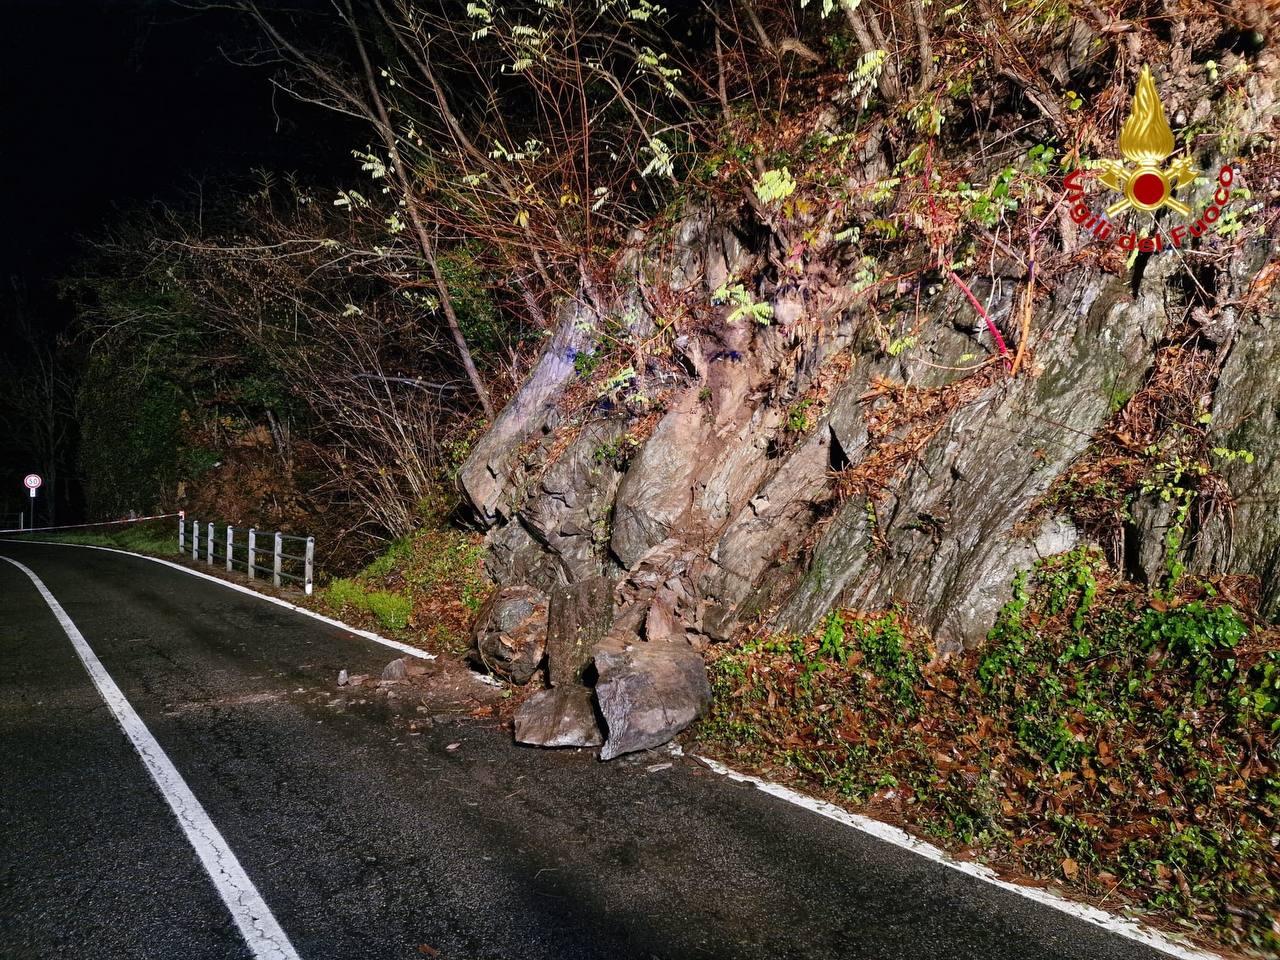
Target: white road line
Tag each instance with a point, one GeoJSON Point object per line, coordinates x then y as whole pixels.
{"type": "Point", "coordinates": [367, 634]}
{"type": "Point", "coordinates": [266, 940]}
{"type": "Point", "coordinates": [1120, 926]}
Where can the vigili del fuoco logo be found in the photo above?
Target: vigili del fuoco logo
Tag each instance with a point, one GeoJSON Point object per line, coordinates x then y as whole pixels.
{"type": "Point", "coordinates": [1144, 182]}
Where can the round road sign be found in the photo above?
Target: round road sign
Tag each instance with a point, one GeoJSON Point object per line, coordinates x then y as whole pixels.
{"type": "Point", "coordinates": [32, 481]}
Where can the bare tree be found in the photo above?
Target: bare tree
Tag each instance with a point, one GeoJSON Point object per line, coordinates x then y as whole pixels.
{"type": "Point", "coordinates": [543, 133]}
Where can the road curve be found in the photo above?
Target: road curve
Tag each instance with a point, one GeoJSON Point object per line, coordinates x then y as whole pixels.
{"type": "Point", "coordinates": [367, 843]}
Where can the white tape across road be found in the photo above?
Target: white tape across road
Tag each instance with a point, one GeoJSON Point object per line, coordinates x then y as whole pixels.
{"type": "Point", "coordinates": [264, 936]}
{"type": "Point", "coordinates": [86, 526]}
{"type": "Point", "coordinates": [367, 634]}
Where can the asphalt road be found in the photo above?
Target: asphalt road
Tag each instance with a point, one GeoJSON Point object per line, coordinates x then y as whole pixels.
{"type": "Point", "coordinates": [366, 842]}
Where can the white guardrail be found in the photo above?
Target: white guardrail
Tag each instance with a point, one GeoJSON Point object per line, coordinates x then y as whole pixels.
{"type": "Point", "coordinates": [219, 543]}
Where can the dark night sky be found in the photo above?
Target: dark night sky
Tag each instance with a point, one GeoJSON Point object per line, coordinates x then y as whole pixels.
{"type": "Point", "coordinates": [105, 104]}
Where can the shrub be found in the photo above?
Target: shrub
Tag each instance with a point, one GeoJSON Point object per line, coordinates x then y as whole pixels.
{"type": "Point", "coordinates": [393, 610]}
{"type": "Point", "coordinates": [343, 594]}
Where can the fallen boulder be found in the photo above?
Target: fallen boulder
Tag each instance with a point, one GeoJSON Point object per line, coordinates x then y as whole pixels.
{"type": "Point", "coordinates": [563, 716]}
{"type": "Point", "coordinates": [578, 618]}
{"type": "Point", "coordinates": [647, 694]}
{"type": "Point", "coordinates": [395, 670]}
{"type": "Point", "coordinates": [511, 633]}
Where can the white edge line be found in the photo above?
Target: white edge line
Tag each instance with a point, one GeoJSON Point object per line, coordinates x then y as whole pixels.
{"type": "Point", "coordinates": [1120, 926]}
{"type": "Point", "coordinates": [259, 927]}
{"type": "Point", "coordinates": [367, 634]}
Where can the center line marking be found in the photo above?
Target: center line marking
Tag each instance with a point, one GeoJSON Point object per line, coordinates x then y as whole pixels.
{"type": "Point", "coordinates": [266, 939]}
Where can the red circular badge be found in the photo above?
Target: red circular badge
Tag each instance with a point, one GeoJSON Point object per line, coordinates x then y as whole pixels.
{"type": "Point", "coordinates": [1149, 189]}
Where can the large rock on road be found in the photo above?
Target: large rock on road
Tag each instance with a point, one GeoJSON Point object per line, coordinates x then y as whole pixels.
{"type": "Point", "coordinates": [649, 693]}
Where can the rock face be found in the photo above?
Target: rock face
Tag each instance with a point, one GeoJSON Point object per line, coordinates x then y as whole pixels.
{"type": "Point", "coordinates": [948, 535]}
{"type": "Point", "coordinates": [563, 716]}
{"type": "Point", "coordinates": [765, 473]}
{"type": "Point", "coordinates": [1246, 415]}
{"type": "Point", "coordinates": [648, 694]}
{"type": "Point", "coordinates": [511, 633]}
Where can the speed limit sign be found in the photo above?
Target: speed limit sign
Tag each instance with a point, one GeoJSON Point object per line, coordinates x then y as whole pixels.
{"type": "Point", "coordinates": [32, 482]}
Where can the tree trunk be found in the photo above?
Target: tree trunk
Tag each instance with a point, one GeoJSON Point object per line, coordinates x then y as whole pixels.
{"type": "Point", "coordinates": [387, 132]}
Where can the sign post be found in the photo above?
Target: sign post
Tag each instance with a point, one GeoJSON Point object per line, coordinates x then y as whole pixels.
{"type": "Point", "coordinates": [33, 482]}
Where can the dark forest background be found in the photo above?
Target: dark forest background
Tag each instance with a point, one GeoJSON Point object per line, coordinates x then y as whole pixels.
{"type": "Point", "coordinates": [109, 108]}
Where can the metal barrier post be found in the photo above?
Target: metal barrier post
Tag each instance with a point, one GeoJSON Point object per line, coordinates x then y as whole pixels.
{"type": "Point", "coordinates": [275, 559]}
{"type": "Point", "coordinates": [231, 544]}
{"type": "Point", "coordinates": [182, 531]}
{"type": "Point", "coordinates": [252, 555]}
{"type": "Point", "coordinates": [209, 545]}
{"type": "Point", "coordinates": [195, 539]}
{"type": "Point", "coordinates": [310, 559]}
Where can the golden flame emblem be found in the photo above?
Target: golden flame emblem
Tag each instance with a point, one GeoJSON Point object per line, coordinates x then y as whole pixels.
{"type": "Point", "coordinates": [1146, 138]}
{"type": "Point", "coordinates": [1146, 141]}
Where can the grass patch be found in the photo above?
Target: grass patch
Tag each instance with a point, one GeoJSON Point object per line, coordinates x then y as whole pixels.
{"type": "Point", "coordinates": [429, 584]}
{"type": "Point", "coordinates": [393, 611]}
{"type": "Point", "coordinates": [1117, 741]}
